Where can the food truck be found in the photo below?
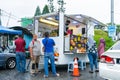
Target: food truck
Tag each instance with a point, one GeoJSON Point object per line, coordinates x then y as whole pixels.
{"type": "Point", "coordinates": [69, 32]}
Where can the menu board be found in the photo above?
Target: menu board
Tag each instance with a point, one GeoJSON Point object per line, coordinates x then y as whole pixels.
{"type": "Point", "coordinates": [78, 44]}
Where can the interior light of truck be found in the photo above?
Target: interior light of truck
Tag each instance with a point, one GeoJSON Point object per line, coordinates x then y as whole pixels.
{"type": "Point", "coordinates": [49, 18]}
{"type": "Point", "coordinates": [78, 16]}
{"type": "Point", "coordinates": [74, 22]}
{"type": "Point", "coordinates": [48, 22]}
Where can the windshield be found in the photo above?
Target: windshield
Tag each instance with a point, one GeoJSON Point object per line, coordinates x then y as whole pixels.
{"type": "Point", "coordinates": [116, 46]}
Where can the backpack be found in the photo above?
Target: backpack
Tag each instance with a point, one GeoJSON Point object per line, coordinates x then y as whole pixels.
{"type": "Point", "coordinates": [29, 46]}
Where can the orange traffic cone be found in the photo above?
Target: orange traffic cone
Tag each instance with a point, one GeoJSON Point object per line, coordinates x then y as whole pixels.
{"type": "Point", "coordinates": [75, 69]}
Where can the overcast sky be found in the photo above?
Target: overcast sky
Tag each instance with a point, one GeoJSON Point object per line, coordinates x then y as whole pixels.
{"type": "Point", "coordinates": [98, 9]}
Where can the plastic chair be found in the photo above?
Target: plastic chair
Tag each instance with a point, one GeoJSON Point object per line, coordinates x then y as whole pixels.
{"type": "Point", "coordinates": [81, 64]}
{"type": "Point", "coordinates": [70, 66]}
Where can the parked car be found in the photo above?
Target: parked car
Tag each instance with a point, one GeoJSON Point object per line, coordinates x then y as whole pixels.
{"type": "Point", "coordinates": [109, 65]}
{"type": "Point", "coordinates": [7, 59]}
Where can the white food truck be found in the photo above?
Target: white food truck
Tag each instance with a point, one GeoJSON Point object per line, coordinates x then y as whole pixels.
{"type": "Point", "coordinates": [69, 33]}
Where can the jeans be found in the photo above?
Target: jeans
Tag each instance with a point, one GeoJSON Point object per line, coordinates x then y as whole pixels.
{"type": "Point", "coordinates": [93, 60]}
{"type": "Point", "coordinates": [20, 61]}
{"type": "Point", "coordinates": [47, 57]}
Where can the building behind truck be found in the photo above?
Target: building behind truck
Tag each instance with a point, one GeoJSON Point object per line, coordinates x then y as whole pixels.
{"type": "Point", "coordinates": [70, 45]}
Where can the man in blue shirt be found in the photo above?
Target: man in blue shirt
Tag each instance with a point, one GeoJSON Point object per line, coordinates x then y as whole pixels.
{"type": "Point", "coordinates": [48, 44]}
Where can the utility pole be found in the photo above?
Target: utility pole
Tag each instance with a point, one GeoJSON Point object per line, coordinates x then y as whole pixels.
{"type": "Point", "coordinates": [0, 17]}
{"type": "Point", "coordinates": [113, 27]}
{"type": "Point", "coordinates": [112, 12]}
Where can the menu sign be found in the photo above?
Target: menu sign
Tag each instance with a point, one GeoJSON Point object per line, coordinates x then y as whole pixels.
{"type": "Point", "coordinates": [78, 44]}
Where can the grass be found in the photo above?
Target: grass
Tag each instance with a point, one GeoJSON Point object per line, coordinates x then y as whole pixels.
{"type": "Point", "coordinates": [102, 34]}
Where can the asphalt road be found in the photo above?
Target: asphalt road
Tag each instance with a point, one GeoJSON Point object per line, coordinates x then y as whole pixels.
{"type": "Point", "coordinates": [62, 70]}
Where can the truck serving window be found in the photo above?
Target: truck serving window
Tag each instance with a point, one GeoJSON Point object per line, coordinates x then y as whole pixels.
{"type": "Point", "coordinates": [76, 35]}
{"type": "Point", "coordinates": [49, 24]}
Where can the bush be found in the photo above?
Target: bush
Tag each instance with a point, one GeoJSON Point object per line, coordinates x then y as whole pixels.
{"type": "Point", "coordinates": [102, 34]}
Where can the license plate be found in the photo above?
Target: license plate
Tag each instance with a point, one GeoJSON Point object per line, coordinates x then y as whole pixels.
{"type": "Point", "coordinates": [118, 61]}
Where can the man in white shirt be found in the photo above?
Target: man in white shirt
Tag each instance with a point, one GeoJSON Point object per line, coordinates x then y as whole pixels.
{"type": "Point", "coordinates": [35, 47]}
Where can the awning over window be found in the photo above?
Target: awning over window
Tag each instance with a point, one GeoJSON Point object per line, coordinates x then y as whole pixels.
{"type": "Point", "coordinates": [4, 30]}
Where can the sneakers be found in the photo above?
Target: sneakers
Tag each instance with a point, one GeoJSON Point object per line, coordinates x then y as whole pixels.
{"type": "Point", "coordinates": [45, 76]}
{"type": "Point", "coordinates": [57, 75]}
{"type": "Point", "coordinates": [96, 70]}
{"type": "Point", "coordinates": [33, 74]}
{"type": "Point", "coordinates": [90, 71]}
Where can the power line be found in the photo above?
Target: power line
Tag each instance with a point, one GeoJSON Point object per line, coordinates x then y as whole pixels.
{"type": "Point", "coordinates": [3, 13]}
{"type": "Point", "coordinates": [9, 15]}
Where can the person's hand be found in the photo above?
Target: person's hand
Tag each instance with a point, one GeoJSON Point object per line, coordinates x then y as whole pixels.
{"type": "Point", "coordinates": [32, 57]}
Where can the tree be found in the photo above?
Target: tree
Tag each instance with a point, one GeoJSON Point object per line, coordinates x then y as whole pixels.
{"type": "Point", "coordinates": [110, 23]}
{"type": "Point", "coordinates": [37, 12]}
{"type": "Point", "coordinates": [61, 3]}
{"type": "Point", "coordinates": [45, 9]}
{"type": "Point", "coordinates": [51, 6]}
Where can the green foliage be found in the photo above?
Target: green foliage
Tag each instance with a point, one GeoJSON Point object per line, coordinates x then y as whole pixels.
{"type": "Point", "coordinates": [118, 28]}
{"type": "Point", "coordinates": [37, 12]}
{"type": "Point", "coordinates": [101, 34]}
{"type": "Point", "coordinates": [51, 6]}
{"type": "Point", "coordinates": [45, 10]}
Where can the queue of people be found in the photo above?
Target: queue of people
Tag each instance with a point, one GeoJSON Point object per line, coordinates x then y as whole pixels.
{"type": "Point", "coordinates": [48, 45]}
{"type": "Point", "coordinates": [34, 48]}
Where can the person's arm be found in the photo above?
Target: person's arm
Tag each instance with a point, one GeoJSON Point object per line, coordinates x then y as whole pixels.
{"type": "Point", "coordinates": [43, 42]}
{"type": "Point", "coordinates": [31, 50]}
{"type": "Point", "coordinates": [15, 42]}
{"type": "Point", "coordinates": [53, 43]}
{"type": "Point", "coordinates": [40, 46]}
